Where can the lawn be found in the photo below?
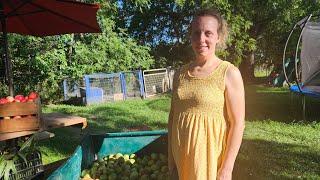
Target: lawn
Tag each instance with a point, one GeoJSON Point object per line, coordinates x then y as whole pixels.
{"type": "Point", "coordinates": [277, 143]}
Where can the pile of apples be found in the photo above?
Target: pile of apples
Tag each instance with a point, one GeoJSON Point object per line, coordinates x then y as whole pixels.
{"type": "Point", "coordinates": [128, 167]}
{"type": "Point", "coordinates": [20, 98]}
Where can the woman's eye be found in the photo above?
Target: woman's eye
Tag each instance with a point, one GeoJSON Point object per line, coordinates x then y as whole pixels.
{"type": "Point", "coordinates": [209, 33]}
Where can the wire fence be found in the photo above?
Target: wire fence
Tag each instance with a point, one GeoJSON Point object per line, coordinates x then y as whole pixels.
{"type": "Point", "coordinates": [133, 85]}
{"type": "Point", "coordinates": [103, 87]}
{"type": "Point", "coordinates": [157, 81]}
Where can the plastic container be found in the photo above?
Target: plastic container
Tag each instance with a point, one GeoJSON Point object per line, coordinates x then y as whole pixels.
{"type": "Point", "coordinates": [33, 168]}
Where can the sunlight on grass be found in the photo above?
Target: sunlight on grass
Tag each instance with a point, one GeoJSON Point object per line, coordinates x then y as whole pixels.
{"type": "Point", "coordinates": [262, 72]}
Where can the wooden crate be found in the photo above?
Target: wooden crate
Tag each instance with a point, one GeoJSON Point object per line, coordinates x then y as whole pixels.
{"type": "Point", "coordinates": [29, 113]}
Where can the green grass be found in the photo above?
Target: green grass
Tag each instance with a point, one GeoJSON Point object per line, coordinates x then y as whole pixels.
{"type": "Point", "coordinates": [261, 72]}
{"type": "Point", "coordinates": [277, 144]}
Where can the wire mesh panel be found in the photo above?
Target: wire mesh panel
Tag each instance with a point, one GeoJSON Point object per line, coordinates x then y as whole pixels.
{"type": "Point", "coordinates": [71, 88]}
{"type": "Point", "coordinates": [133, 84]}
{"type": "Point", "coordinates": [103, 88]}
{"type": "Point", "coordinates": [156, 81]}
{"type": "Point", "coordinates": [170, 72]}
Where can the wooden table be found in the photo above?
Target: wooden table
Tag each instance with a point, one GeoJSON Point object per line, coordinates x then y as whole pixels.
{"type": "Point", "coordinates": [49, 121]}
{"type": "Point", "coordinates": [57, 120]}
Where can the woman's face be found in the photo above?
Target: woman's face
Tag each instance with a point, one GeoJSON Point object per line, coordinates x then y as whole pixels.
{"type": "Point", "coordinates": [204, 36]}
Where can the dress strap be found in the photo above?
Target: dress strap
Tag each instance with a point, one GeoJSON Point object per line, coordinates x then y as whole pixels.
{"type": "Point", "coordinates": [221, 75]}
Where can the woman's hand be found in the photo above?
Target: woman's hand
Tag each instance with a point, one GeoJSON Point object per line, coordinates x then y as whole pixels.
{"type": "Point", "coordinates": [224, 174]}
{"type": "Point", "coordinates": [173, 174]}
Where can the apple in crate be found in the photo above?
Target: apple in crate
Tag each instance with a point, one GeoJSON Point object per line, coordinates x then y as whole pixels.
{"type": "Point", "coordinates": [18, 98]}
{"type": "Point", "coordinates": [3, 101]}
{"type": "Point", "coordinates": [25, 99]}
{"type": "Point", "coordinates": [32, 96]}
{"type": "Point", "coordinates": [10, 99]}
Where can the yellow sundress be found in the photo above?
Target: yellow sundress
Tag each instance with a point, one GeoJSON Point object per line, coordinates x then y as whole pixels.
{"type": "Point", "coordinates": [197, 128]}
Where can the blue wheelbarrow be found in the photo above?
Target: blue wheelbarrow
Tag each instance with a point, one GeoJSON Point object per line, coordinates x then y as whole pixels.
{"type": "Point", "coordinates": [95, 147]}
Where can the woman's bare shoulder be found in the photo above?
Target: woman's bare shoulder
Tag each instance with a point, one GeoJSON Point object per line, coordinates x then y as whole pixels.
{"type": "Point", "coordinates": [233, 75]}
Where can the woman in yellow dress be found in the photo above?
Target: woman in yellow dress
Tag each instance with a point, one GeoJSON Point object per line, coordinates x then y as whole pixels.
{"type": "Point", "coordinates": [206, 120]}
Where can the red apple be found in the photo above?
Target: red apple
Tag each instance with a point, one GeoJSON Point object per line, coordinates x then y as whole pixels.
{"type": "Point", "coordinates": [33, 95]}
{"type": "Point", "coordinates": [3, 101]}
{"type": "Point", "coordinates": [10, 99]}
{"type": "Point", "coordinates": [19, 97]}
{"type": "Point", "coordinates": [24, 100]}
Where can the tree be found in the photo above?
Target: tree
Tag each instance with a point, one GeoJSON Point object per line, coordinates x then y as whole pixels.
{"type": "Point", "coordinates": [41, 64]}
{"type": "Point", "coordinates": [258, 29]}
{"type": "Point", "coordinates": [165, 26]}
{"type": "Point", "coordinates": [271, 23]}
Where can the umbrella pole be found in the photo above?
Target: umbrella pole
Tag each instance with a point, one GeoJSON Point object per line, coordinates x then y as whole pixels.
{"type": "Point", "coordinates": [7, 61]}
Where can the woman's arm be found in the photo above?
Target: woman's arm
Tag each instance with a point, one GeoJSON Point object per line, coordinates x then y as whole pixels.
{"type": "Point", "coordinates": [235, 103]}
{"type": "Point", "coordinates": [171, 163]}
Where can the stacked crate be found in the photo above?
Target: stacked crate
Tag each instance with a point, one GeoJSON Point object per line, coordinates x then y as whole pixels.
{"type": "Point", "coordinates": [20, 116]}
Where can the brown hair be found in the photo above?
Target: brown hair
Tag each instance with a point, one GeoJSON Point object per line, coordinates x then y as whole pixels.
{"type": "Point", "coordinates": [222, 29]}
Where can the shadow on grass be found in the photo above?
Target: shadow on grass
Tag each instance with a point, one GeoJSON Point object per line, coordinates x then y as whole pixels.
{"type": "Point", "coordinates": [259, 159]}
{"type": "Point", "coordinates": [64, 142]}
{"type": "Point", "coordinates": [159, 104]}
{"type": "Point", "coordinates": [279, 105]}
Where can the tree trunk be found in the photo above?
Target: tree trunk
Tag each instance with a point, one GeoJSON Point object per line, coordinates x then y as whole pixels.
{"type": "Point", "coordinates": [247, 68]}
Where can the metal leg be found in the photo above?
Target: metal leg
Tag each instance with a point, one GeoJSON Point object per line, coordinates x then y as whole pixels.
{"type": "Point", "coordinates": [303, 107]}
{"type": "Point", "coordinates": [291, 108]}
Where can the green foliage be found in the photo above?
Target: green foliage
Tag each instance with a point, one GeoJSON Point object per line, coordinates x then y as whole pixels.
{"type": "Point", "coordinates": [144, 34]}
{"type": "Point", "coordinates": [258, 30]}
{"type": "Point", "coordinates": [165, 26]}
{"type": "Point", "coordinates": [271, 23]}
{"type": "Point", "coordinates": [6, 165]}
{"type": "Point", "coordinates": [41, 64]}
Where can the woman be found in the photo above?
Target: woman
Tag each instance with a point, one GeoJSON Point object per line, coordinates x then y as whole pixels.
{"type": "Point", "coordinates": [206, 120]}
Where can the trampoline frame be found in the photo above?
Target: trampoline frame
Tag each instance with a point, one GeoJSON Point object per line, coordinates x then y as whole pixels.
{"type": "Point", "coordinates": [304, 92]}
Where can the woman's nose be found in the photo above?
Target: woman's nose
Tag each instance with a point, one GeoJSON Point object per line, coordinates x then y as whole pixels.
{"type": "Point", "coordinates": [198, 37]}
{"type": "Point", "coordinates": [202, 37]}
